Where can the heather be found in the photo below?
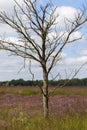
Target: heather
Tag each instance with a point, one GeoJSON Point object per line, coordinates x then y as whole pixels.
{"type": "Point", "coordinates": [21, 109]}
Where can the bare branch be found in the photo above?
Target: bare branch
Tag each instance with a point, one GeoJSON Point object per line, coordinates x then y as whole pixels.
{"type": "Point", "coordinates": [69, 78]}
{"type": "Point", "coordinates": [31, 70]}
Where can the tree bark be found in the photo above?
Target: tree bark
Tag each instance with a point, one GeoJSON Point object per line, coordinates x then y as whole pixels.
{"type": "Point", "coordinates": [45, 94]}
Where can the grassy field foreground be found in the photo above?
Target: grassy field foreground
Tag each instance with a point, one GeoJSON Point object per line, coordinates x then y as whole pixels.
{"type": "Point", "coordinates": [21, 109]}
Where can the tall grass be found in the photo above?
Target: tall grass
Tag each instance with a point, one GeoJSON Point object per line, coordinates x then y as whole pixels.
{"type": "Point", "coordinates": [36, 90]}
{"type": "Point", "coordinates": [69, 91]}
{"type": "Point", "coordinates": [19, 90]}
{"type": "Point", "coordinates": [25, 122]}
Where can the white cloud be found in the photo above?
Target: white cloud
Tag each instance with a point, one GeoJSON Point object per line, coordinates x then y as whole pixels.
{"type": "Point", "coordinates": [83, 52]}
{"type": "Point", "coordinates": [64, 55]}
{"type": "Point", "coordinates": [6, 31]}
{"type": "Point", "coordinates": [76, 35]}
{"type": "Point", "coordinates": [8, 5]}
{"type": "Point", "coordinates": [73, 61]}
{"type": "Point", "coordinates": [65, 13]}
{"type": "Point", "coordinates": [12, 67]}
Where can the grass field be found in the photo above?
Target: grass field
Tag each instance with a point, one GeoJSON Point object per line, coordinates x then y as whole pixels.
{"type": "Point", "coordinates": [21, 109]}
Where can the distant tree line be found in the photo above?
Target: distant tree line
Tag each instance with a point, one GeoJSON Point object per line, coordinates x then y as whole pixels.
{"type": "Point", "coordinates": [62, 82]}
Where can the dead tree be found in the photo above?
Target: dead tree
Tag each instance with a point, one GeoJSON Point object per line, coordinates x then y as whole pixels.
{"type": "Point", "coordinates": [32, 20]}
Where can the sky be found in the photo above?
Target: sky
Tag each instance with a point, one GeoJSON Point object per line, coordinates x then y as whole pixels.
{"type": "Point", "coordinates": [73, 56]}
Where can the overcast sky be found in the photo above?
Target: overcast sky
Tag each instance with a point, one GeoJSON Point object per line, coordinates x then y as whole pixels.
{"type": "Point", "coordinates": [73, 56]}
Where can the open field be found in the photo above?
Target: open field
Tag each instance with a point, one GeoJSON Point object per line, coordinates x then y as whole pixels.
{"type": "Point", "coordinates": [21, 109]}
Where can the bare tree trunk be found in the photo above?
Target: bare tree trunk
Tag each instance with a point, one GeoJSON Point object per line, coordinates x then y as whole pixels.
{"type": "Point", "coordinates": [45, 94]}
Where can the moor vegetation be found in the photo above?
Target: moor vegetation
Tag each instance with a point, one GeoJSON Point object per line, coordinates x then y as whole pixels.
{"type": "Point", "coordinates": [21, 109]}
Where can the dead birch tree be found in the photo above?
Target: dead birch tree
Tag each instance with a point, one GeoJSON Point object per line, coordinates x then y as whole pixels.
{"type": "Point", "coordinates": [32, 19]}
